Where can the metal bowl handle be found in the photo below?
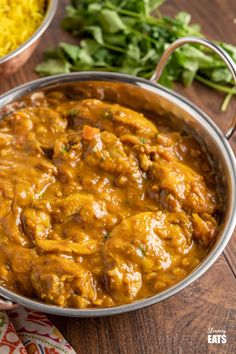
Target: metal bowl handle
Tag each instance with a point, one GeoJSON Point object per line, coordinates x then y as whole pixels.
{"type": "Point", "coordinates": [205, 42]}
{"type": "Point", "coordinates": [6, 304]}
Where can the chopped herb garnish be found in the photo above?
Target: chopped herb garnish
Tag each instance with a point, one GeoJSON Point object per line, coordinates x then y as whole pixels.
{"type": "Point", "coordinates": [141, 251]}
{"type": "Point", "coordinates": [65, 149]}
{"type": "Point", "coordinates": [107, 114]}
{"type": "Point", "coordinates": [143, 140]}
{"type": "Point", "coordinates": [72, 113]}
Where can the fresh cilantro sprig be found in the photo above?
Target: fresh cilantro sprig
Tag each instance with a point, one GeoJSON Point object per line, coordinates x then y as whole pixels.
{"type": "Point", "coordinates": [124, 36]}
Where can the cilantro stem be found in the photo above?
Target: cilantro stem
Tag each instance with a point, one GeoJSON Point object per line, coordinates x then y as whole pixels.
{"type": "Point", "coordinates": [147, 18]}
{"type": "Point", "coordinates": [215, 86]}
{"type": "Point", "coordinates": [113, 47]}
{"type": "Point", "coordinates": [123, 3]}
{"type": "Point", "coordinates": [226, 102]}
{"type": "Point", "coordinates": [146, 8]}
{"type": "Point", "coordinates": [148, 38]}
{"type": "Point", "coordinates": [123, 11]}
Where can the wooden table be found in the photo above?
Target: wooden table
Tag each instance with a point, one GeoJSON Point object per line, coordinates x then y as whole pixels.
{"type": "Point", "coordinates": [179, 324]}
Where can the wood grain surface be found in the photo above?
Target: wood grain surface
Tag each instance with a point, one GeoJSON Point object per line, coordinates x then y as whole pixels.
{"type": "Point", "coordinates": [179, 324]}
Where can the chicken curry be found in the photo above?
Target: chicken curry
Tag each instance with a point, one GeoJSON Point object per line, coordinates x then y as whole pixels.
{"type": "Point", "coordinates": [100, 205]}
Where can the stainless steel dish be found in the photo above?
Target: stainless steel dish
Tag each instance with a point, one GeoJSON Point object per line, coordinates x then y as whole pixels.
{"type": "Point", "coordinates": [13, 61]}
{"type": "Point", "coordinates": [153, 98]}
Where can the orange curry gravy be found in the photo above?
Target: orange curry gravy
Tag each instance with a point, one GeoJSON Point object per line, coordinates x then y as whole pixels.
{"type": "Point", "coordinates": [99, 206]}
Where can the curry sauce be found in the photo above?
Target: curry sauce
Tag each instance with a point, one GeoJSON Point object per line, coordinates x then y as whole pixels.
{"type": "Point", "coordinates": [99, 205]}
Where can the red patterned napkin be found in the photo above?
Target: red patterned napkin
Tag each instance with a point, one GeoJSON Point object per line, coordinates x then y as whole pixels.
{"type": "Point", "coordinates": [24, 331]}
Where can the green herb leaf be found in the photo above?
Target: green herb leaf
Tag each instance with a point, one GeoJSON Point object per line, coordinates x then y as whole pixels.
{"type": "Point", "coordinates": [143, 140]}
{"type": "Point", "coordinates": [72, 51]}
{"type": "Point", "coordinates": [72, 113]}
{"type": "Point", "coordinates": [124, 36]}
{"type": "Point", "coordinates": [65, 149]}
{"type": "Point", "coordinates": [110, 21]}
{"type": "Point", "coordinates": [53, 67]}
{"type": "Point", "coordinates": [96, 33]}
{"type": "Point", "coordinates": [154, 4]}
{"type": "Point", "coordinates": [183, 17]}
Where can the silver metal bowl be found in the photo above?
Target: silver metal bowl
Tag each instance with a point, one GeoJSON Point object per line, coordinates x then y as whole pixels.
{"type": "Point", "coordinates": [151, 97]}
{"type": "Point", "coordinates": [11, 62]}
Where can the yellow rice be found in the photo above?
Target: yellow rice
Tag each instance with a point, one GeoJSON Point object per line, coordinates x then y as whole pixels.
{"type": "Point", "coordinates": [19, 19]}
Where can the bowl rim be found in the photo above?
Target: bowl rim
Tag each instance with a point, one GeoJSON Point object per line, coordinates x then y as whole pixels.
{"type": "Point", "coordinates": [49, 15]}
{"type": "Point", "coordinates": [189, 107]}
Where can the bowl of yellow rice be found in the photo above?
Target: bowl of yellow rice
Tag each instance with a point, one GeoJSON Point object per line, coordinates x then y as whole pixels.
{"type": "Point", "coordinates": [22, 23]}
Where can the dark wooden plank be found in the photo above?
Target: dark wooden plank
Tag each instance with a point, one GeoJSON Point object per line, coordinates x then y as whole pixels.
{"type": "Point", "coordinates": [179, 324]}
{"type": "Point", "coordinates": [230, 253]}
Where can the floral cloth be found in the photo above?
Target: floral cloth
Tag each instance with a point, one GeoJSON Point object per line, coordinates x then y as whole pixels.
{"type": "Point", "coordinates": [24, 331]}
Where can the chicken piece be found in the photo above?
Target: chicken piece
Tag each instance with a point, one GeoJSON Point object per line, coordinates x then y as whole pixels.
{"type": "Point", "coordinates": [123, 282]}
{"type": "Point", "coordinates": [134, 122]}
{"type": "Point", "coordinates": [17, 264]}
{"type": "Point", "coordinates": [56, 280]}
{"type": "Point", "coordinates": [68, 246]}
{"type": "Point", "coordinates": [23, 188]}
{"type": "Point", "coordinates": [42, 121]}
{"type": "Point", "coordinates": [36, 223]}
{"type": "Point", "coordinates": [6, 207]}
{"type": "Point", "coordinates": [179, 182]}
{"type": "Point", "coordinates": [62, 208]}
{"type": "Point", "coordinates": [97, 215]}
{"type": "Point", "coordinates": [150, 239]}
{"type": "Point", "coordinates": [168, 139]}
{"type": "Point", "coordinates": [5, 140]}
{"type": "Point", "coordinates": [9, 223]}
{"type": "Point", "coordinates": [73, 231]}
{"type": "Point", "coordinates": [67, 155]}
{"type": "Point", "coordinates": [109, 117]}
{"type": "Point", "coordinates": [105, 150]}
{"type": "Point", "coordinates": [33, 148]}
{"type": "Point", "coordinates": [164, 146]}
{"type": "Point", "coordinates": [204, 229]}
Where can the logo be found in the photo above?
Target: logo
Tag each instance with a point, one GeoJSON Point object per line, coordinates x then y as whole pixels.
{"type": "Point", "coordinates": [216, 336]}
